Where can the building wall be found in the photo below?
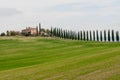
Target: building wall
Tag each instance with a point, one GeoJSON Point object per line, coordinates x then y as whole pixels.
{"type": "Point", "coordinates": [29, 31]}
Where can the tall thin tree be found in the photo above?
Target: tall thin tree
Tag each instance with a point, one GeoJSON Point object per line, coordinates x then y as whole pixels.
{"type": "Point", "coordinates": [37, 32]}
{"type": "Point", "coordinates": [39, 29]}
{"type": "Point", "coordinates": [90, 36]}
{"type": "Point", "coordinates": [109, 38]}
{"type": "Point", "coordinates": [51, 32]}
{"type": "Point", "coordinates": [113, 35]}
{"type": "Point", "coordinates": [81, 35]}
{"type": "Point", "coordinates": [78, 36]}
{"type": "Point", "coordinates": [84, 36]}
{"type": "Point", "coordinates": [101, 37]}
{"type": "Point", "coordinates": [97, 35]}
{"type": "Point", "coordinates": [105, 38]}
{"type": "Point", "coordinates": [87, 35]}
{"type": "Point", "coordinates": [117, 36]}
{"type": "Point", "coordinates": [93, 35]}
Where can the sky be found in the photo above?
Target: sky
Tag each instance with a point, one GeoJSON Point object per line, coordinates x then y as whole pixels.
{"type": "Point", "coordinates": [68, 14]}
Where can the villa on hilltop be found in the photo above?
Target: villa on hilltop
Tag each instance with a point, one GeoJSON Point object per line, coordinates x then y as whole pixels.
{"type": "Point", "coordinates": [29, 31]}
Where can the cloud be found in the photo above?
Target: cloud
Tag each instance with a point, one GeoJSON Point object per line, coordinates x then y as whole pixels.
{"type": "Point", "coordinates": [58, 12]}
{"type": "Point", "coordinates": [88, 7]}
{"type": "Point", "coordinates": [8, 11]}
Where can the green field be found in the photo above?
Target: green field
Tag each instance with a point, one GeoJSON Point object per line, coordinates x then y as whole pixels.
{"type": "Point", "coordinates": [30, 58]}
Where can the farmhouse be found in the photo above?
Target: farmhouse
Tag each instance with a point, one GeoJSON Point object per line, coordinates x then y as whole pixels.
{"type": "Point", "coordinates": [29, 31]}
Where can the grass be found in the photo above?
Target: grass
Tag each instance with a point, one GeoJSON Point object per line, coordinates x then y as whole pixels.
{"type": "Point", "coordinates": [30, 58]}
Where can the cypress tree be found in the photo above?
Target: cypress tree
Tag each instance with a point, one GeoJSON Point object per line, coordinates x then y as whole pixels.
{"type": "Point", "coordinates": [78, 36]}
{"type": "Point", "coordinates": [54, 32]}
{"type": "Point", "coordinates": [105, 38]}
{"type": "Point", "coordinates": [93, 35]}
{"type": "Point", "coordinates": [101, 37]}
{"type": "Point", "coordinates": [58, 32]}
{"type": "Point", "coordinates": [51, 31]}
{"type": "Point", "coordinates": [87, 35]}
{"type": "Point", "coordinates": [75, 35]}
{"type": "Point", "coordinates": [81, 35]}
{"type": "Point", "coordinates": [113, 35]}
{"type": "Point", "coordinates": [84, 36]}
{"type": "Point", "coordinates": [64, 34]}
{"type": "Point", "coordinates": [117, 36]}
{"type": "Point", "coordinates": [109, 35]}
{"type": "Point", "coordinates": [61, 34]}
{"type": "Point", "coordinates": [70, 34]}
{"type": "Point", "coordinates": [8, 33]}
{"type": "Point", "coordinates": [39, 29]}
{"type": "Point", "coordinates": [97, 35]}
{"type": "Point", "coordinates": [90, 36]}
{"type": "Point", "coordinates": [37, 32]}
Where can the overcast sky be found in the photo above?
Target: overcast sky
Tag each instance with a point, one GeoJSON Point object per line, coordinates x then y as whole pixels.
{"type": "Point", "coordinates": [70, 14]}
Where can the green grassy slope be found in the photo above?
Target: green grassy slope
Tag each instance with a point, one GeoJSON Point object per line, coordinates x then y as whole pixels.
{"type": "Point", "coordinates": [29, 58]}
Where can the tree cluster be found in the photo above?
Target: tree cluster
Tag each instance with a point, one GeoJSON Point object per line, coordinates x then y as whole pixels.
{"type": "Point", "coordinates": [94, 35]}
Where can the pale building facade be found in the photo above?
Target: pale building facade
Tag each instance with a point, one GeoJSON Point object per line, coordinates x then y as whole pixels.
{"type": "Point", "coordinates": [29, 31]}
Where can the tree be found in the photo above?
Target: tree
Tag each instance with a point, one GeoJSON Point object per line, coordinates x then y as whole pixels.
{"type": "Point", "coordinates": [101, 38]}
{"type": "Point", "coordinates": [51, 32]}
{"type": "Point", "coordinates": [93, 35]}
{"type": "Point", "coordinates": [105, 38]}
{"type": "Point", "coordinates": [67, 34]}
{"type": "Point", "coordinates": [84, 36]}
{"type": "Point", "coordinates": [37, 33]}
{"type": "Point", "coordinates": [117, 36]}
{"type": "Point", "coordinates": [57, 32]}
{"type": "Point", "coordinates": [87, 35]}
{"type": "Point", "coordinates": [90, 36]}
{"type": "Point", "coordinates": [78, 36]}
{"type": "Point", "coordinates": [64, 34]}
{"type": "Point", "coordinates": [61, 33]}
{"type": "Point", "coordinates": [113, 35]}
{"type": "Point", "coordinates": [42, 30]}
{"type": "Point", "coordinates": [3, 34]}
{"type": "Point", "coordinates": [8, 33]}
{"type": "Point", "coordinates": [97, 35]}
{"type": "Point", "coordinates": [81, 35]}
{"type": "Point", "coordinates": [48, 32]}
{"type": "Point", "coordinates": [12, 33]}
{"type": "Point", "coordinates": [39, 29]}
{"type": "Point", "coordinates": [75, 35]}
{"type": "Point", "coordinates": [72, 35]}
{"type": "Point", "coordinates": [108, 35]}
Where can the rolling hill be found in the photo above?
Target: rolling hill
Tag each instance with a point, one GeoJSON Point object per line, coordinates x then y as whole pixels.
{"type": "Point", "coordinates": [35, 58]}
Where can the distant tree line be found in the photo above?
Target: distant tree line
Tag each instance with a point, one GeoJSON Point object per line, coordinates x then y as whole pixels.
{"type": "Point", "coordinates": [13, 33]}
{"type": "Point", "coordinates": [10, 33]}
{"type": "Point", "coordinates": [95, 35]}
{"type": "Point", "coordinates": [91, 35]}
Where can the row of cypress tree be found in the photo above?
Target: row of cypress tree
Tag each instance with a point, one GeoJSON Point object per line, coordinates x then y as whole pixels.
{"type": "Point", "coordinates": [94, 35]}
